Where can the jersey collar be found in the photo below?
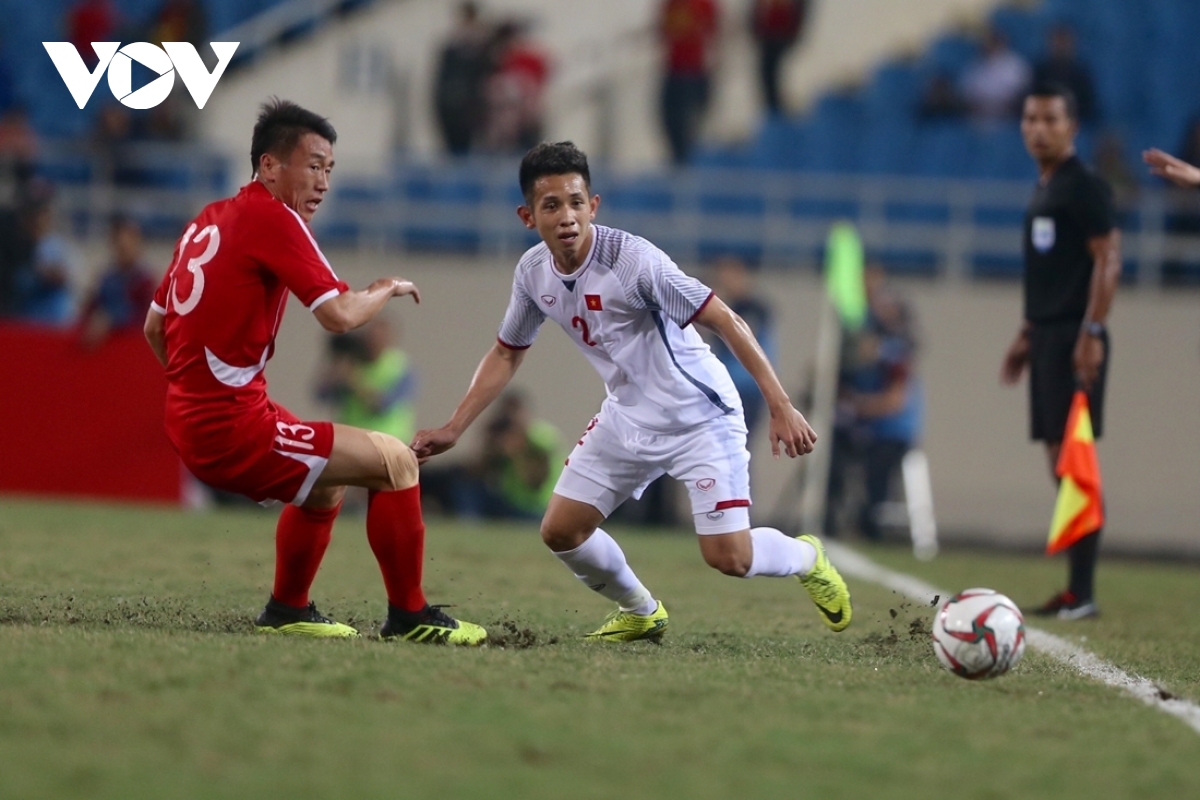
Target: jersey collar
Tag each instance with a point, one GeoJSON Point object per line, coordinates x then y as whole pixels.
{"type": "Point", "coordinates": [587, 262]}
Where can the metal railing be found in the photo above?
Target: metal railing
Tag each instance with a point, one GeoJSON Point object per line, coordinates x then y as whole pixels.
{"type": "Point", "coordinates": [953, 228]}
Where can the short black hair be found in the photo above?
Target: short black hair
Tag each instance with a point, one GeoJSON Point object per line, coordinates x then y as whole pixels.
{"type": "Point", "coordinates": [1052, 89]}
{"type": "Point", "coordinates": [553, 158]}
{"type": "Point", "coordinates": [280, 125]}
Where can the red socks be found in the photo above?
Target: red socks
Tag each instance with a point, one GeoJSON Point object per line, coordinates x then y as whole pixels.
{"type": "Point", "coordinates": [300, 541]}
{"type": "Point", "coordinates": [396, 532]}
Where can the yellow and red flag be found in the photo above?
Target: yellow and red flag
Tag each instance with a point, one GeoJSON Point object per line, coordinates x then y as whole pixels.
{"type": "Point", "coordinates": [1079, 510]}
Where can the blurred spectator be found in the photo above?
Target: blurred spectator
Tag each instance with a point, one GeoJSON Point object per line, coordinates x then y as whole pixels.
{"type": "Point", "coordinates": [16, 250]}
{"type": "Point", "coordinates": [370, 381]}
{"type": "Point", "coordinates": [777, 25]}
{"type": "Point", "coordinates": [458, 91]}
{"type": "Point", "coordinates": [8, 92]}
{"type": "Point", "coordinates": [45, 284]}
{"type": "Point", "coordinates": [688, 29]}
{"type": "Point", "coordinates": [1189, 147]}
{"type": "Point", "coordinates": [879, 406]}
{"type": "Point", "coordinates": [179, 21]}
{"type": "Point", "coordinates": [1109, 159]}
{"type": "Point", "coordinates": [91, 21]}
{"type": "Point", "coordinates": [941, 100]}
{"type": "Point", "coordinates": [514, 475]}
{"type": "Point", "coordinates": [514, 91]}
{"type": "Point", "coordinates": [18, 151]}
{"type": "Point", "coordinates": [994, 85]}
{"type": "Point", "coordinates": [111, 135]}
{"type": "Point", "coordinates": [1063, 67]}
{"type": "Point", "coordinates": [124, 290]}
{"type": "Point", "coordinates": [734, 284]}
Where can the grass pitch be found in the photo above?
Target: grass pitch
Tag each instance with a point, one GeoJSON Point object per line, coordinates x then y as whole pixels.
{"type": "Point", "coordinates": [129, 669]}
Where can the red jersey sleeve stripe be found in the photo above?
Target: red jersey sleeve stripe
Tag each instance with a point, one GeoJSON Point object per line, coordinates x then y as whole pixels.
{"type": "Point", "coordinates": [511, 346]}
{"type": "Point", "coordinates": [332, 293]}
{"type": "Point", "coordinates": [724, 504]}
{"type": "Point", "coordinates": [699, 310]}
{"type": "Point", "coordinates": [311, 240]}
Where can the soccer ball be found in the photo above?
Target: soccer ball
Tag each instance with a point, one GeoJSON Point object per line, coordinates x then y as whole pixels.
{"type": "Point", "coordinates": [979, 633]}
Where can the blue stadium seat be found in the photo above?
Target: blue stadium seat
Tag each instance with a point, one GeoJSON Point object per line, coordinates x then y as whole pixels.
{"type": "Point", "coordinates": [951, 54]}
{"type": "Point", "coordinates": [893, 93]}
{"type": "Point", "coordinates": [999, 153]}
{"type": "Point", "coordinates": [941, 149]}
{"type": "Point", "coordinates": [1025, 32]}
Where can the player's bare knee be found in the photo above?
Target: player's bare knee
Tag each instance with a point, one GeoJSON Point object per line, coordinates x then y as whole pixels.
{"type": "Point", "coordinates": [324, 497]}
{"type": "Point", "coordinates": [560, 538]}
{"type": "Point", "coordinates": [399, 461]}
{"type": "Point", "coordinates": [734, 564]}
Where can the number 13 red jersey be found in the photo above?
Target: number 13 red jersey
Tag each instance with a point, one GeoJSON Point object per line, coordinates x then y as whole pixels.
{"type": "Point", "coordinates": [223, 298]}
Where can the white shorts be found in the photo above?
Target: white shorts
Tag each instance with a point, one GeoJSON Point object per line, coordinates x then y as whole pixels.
{"type": "Point", "coordinates": [615, 460]}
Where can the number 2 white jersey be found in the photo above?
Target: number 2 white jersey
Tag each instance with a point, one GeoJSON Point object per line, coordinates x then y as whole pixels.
{"type": "Point", "coordinates": [629, 309]}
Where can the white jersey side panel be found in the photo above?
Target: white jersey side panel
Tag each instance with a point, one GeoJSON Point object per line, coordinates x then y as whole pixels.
{"type": "Point", "coordinates": [628, 309]}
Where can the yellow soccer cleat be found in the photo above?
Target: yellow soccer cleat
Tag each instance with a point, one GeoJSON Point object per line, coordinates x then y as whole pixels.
{"type": "Point", "coordinates": [826, 587]}
{"type": "Point", "coordinates": [284, 619]}
{"type": "Point", "coordinates": [431, 625]}
{"type": "Point", "coordinates": [625, 626]}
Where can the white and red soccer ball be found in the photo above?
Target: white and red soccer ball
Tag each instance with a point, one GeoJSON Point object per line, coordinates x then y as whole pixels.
{"type": "Point", "coordinates": [979, 634]}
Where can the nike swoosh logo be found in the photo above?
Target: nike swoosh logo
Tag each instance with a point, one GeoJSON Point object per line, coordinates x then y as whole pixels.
{"type": "Point", "coordinates": [833, 616]}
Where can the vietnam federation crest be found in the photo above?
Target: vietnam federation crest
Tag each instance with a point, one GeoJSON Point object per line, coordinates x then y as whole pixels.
{"type": "Point", "coordinates": [1043, 234]}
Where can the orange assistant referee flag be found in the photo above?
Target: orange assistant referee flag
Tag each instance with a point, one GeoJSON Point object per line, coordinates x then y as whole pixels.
{"type": "Point", "coordinates": [1079, 510]}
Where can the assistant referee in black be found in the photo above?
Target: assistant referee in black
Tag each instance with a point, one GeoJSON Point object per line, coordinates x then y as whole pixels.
{"type": "Point", "coordinates": [1072, 252]}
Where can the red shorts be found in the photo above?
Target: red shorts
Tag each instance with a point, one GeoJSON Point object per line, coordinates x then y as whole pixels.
{"type": "Point", "coordinates": [271, 457]}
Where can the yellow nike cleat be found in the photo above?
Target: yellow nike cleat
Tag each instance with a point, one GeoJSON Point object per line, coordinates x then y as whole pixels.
{"type": "Point", "coordinates": [625, 626]}
{"type": "Point", "coordinates": [826, 587]}
{"type": "Point", "coordinates": [431, 625]}
{"type": "Point", "coordinates": [284, 619]}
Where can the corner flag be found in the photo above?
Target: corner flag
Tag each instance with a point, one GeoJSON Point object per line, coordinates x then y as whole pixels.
{"type": "Point", "coordinates": [1079, 510]}
{"type": "Point", "coordinates": [844, 275]}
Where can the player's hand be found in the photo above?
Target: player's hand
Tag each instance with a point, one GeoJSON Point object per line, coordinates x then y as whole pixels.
{"type": "Point", "coordinates": [1087, 358]}
{"type": "Point", "coordinates": [1176, 170]}
{"type": "Point", "coordinates": [791, 432]}
{"type": "Point", "coordinates": [400, 287]}
{"type": "Point", "coordinates": [1015, 360]}
{"type": "Point", "coordinates": [431, 442]}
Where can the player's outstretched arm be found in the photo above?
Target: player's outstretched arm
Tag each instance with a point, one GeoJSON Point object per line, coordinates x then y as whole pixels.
{"type": "Point", "coordinates": [494, 372]}
{"type": "Point", "coordinates": [156, 335]}
{"type": "Point", "coordinates": [1176, 170]}
{"type": "Point", "coordinates": [350, 310]}
{"type": "Point", "coordinates": [789, 428]}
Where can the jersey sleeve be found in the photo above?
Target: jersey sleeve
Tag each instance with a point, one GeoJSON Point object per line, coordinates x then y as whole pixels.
{"type": "Point", "coordinates": [293, 256]}
{"type": "Point", "coordinates": [1096, 211]}
{"type": "Point", "coordinates": [664, 286]}
{"type": "Point", "coordinates": [159, 301]}
{"type": "Point", "coordinates": [522, 320]}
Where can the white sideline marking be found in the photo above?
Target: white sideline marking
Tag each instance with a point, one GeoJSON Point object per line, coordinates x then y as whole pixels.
{"type": "Point", "coordinates": [1089, 664]}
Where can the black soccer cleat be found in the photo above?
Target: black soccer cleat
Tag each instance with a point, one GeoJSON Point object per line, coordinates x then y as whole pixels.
{"type": "Point", "coordinates": [281, 618]}
{"type": "Point", "coordinates": [430, 625]}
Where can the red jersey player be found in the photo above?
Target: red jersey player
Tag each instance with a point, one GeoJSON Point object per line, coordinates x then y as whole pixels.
{"type": "Point", "coordinates": [213, 324]}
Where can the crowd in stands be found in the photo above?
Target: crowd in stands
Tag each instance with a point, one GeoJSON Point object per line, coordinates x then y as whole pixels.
{"type": "Point", "coordinates": [990, 90]}
{"type": "Point", "coordinates": [490, 86]}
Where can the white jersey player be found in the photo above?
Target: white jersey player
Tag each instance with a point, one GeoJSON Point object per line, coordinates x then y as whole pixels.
{"type": "Point", "coordinates": [671, 406]}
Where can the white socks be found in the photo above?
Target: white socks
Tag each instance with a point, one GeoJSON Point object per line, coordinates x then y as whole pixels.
{"type": "Point", "coordinates": [600, 564]}
{"type": "Point", "coordinates": [777, 555]}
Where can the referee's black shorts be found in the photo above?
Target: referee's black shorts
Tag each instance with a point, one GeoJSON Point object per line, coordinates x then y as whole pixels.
{"type": "Point", "coordinates": [1052, 380]}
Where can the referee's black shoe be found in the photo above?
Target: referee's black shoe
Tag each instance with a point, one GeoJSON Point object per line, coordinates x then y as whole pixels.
{"type": "Point", "coordinates": [1065, 605]}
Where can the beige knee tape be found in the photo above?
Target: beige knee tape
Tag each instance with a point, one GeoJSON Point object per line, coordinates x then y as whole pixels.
{"type": "Point", "coordinates": [398, 458]}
